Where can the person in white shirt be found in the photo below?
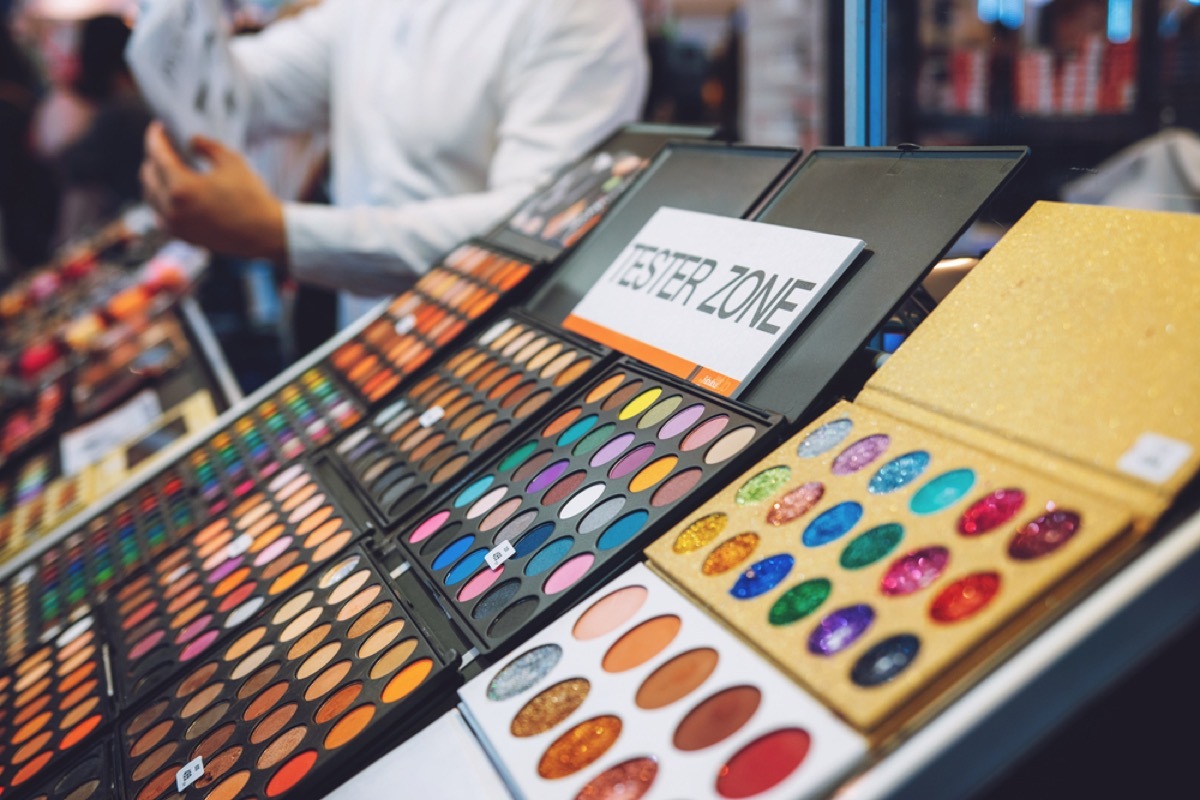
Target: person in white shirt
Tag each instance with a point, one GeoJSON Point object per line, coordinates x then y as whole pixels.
{"type": "Point", "coordinates": [443, 115]}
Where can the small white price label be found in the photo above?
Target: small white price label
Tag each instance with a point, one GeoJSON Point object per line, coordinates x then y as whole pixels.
{"type": "Point", "coordinates": [431, 416]}
{"type": "Point", "coordinates": [1155, 458]}
{"type": "Point", "coordinates": [189, 773]}
{"type": "Point", "coordinates": [499, 554]}
{"type": "Point", "coordinates": [405, 324]}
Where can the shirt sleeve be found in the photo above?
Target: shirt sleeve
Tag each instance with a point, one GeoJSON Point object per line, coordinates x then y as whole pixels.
{"type": "Point", "coordinates": [286, 71]}
{"type": "Point", "coordinates": [579, 71]}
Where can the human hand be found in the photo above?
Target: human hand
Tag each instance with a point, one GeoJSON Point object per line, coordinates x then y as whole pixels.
{"type": "Point", "coordinates": [226, 209]}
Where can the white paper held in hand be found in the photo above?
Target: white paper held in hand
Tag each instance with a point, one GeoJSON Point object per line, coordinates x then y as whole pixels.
{"type": "Point", "coordinates": [179, 54]}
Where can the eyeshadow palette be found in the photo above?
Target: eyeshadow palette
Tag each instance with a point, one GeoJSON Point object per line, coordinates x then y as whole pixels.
{"type": "Point", "coordinates": [868, 557]}
{"type": "Point", "coordinates": [637, 693]}
{"type": "Point", "coordinates": [38, 599]}
{"type": "Point", "coordinates": [337, 671]}
{"type": "Point", "coordinates": [93, 777]}
{"type": "Point", "coordinates": [52, 702]}
{"type": "Point", "coordinates": [525, 536]}
{"type": "Point", "coordinates": [204, 589]}
{"type": "Point", "coordinates": [444, 301]}
{"type": "Point", "coordinates": [904, 543]}
{"type": "Point", "coordinates": [304, 414]}
{"type": "Point", "coordinates": [479, 395]}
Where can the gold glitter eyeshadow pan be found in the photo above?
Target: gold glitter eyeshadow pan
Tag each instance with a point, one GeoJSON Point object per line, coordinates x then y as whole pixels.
{"type": "Point", "coordinates": [203, 590]}
{"type": "Point", "coordinates": [53, 703]}
{"type": "Point", "coordinates": [903, 543]}
{"type": "Point", "coordinates": [335, 672]}
{"type": "Point", "coordinates": [523, 537]}
{"type": "Point", "coordinates": [38, 600]}
{"type": "Point", "coordinates": [637, 693]}
{"type": "Point", "coordinates": [480, 395]}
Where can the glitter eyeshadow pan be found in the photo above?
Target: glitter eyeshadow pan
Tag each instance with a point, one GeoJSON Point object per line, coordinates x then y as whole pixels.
{"type": "Point", "coordinates": [867, 556]}
{"type": "Point", "coordinates": [53, 703]}
{"type": "Point", "coordinates": [203, 590]}
{"type": "Point", "coordinates": [39, 600]}
{"type": "Point", "coordinates": [637, 693]}
{"type": "Point", "coordinates": [572, 500]}
{"type": "Point", "coordinates": [443, 302]}
{"type": "Point", "coordinates": [480, 394]}
{"type": "Point", "coordinates": [332, 671]}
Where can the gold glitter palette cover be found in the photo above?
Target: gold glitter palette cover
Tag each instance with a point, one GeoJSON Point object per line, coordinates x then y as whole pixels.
{"type": "Point", "coordinates": [197, 594]}
{"type": "Point", "coordinates": [543, 522]}
{"type": "Point", "coordinates": [338, 671]}
{"type": "Point", "coordinates": [53, 703]}
{"type": "Point", "coordinates": [638, 693]}
{"type": "Point", "coordinates": [902, 543]}
{"type": "Point", "coordinates": [39, 598]}
{"type": "Point", "coordinates": [482, 394]}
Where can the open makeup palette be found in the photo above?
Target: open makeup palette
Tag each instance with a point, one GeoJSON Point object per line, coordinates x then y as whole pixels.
{"type": "Point", "coordinates": [989, 472]}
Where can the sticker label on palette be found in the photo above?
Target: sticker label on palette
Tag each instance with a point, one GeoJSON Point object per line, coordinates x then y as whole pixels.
{"type": "Point", "coordinates": [1155, 458]}
{"type": "Point", "coordinates": [499, 554]}
{"type": "Point", "coordinates": [710, 298]}
{"type": "Point", "coordinates": [405, 324]}
{"type": "Point", "coordinates": [189, 773]}
{"type": "Point", "coordinates": [431, 416]}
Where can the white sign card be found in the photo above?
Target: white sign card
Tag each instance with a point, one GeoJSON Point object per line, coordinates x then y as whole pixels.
{"type": "Point", "coordinates": [87, 444]}
{"type": "Point", "coordinates": [710, 298]}
{"type": "Point", "coordinates": [179, 55]}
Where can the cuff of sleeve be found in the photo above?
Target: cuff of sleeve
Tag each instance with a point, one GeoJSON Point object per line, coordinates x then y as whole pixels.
{"type": "Point", "coordinates": [321, 251]}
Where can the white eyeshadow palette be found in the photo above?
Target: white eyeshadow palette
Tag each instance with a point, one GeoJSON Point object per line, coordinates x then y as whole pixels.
{"type": "Point", "coordinates": [636, 693]}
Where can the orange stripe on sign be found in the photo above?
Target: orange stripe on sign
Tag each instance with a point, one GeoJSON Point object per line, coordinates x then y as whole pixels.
{"type": "Point", "coordinates": [673, 364]}
{"type": "Point", "coordinates": [715, 382]}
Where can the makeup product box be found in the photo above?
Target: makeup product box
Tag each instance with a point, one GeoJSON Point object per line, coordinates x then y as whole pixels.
{"type": "Point", "coordinates": [636, 692]}
{"type": "Point", "coordinates": [1004, 460]}
{"type": "Point", "coordinates": [497, 268]}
